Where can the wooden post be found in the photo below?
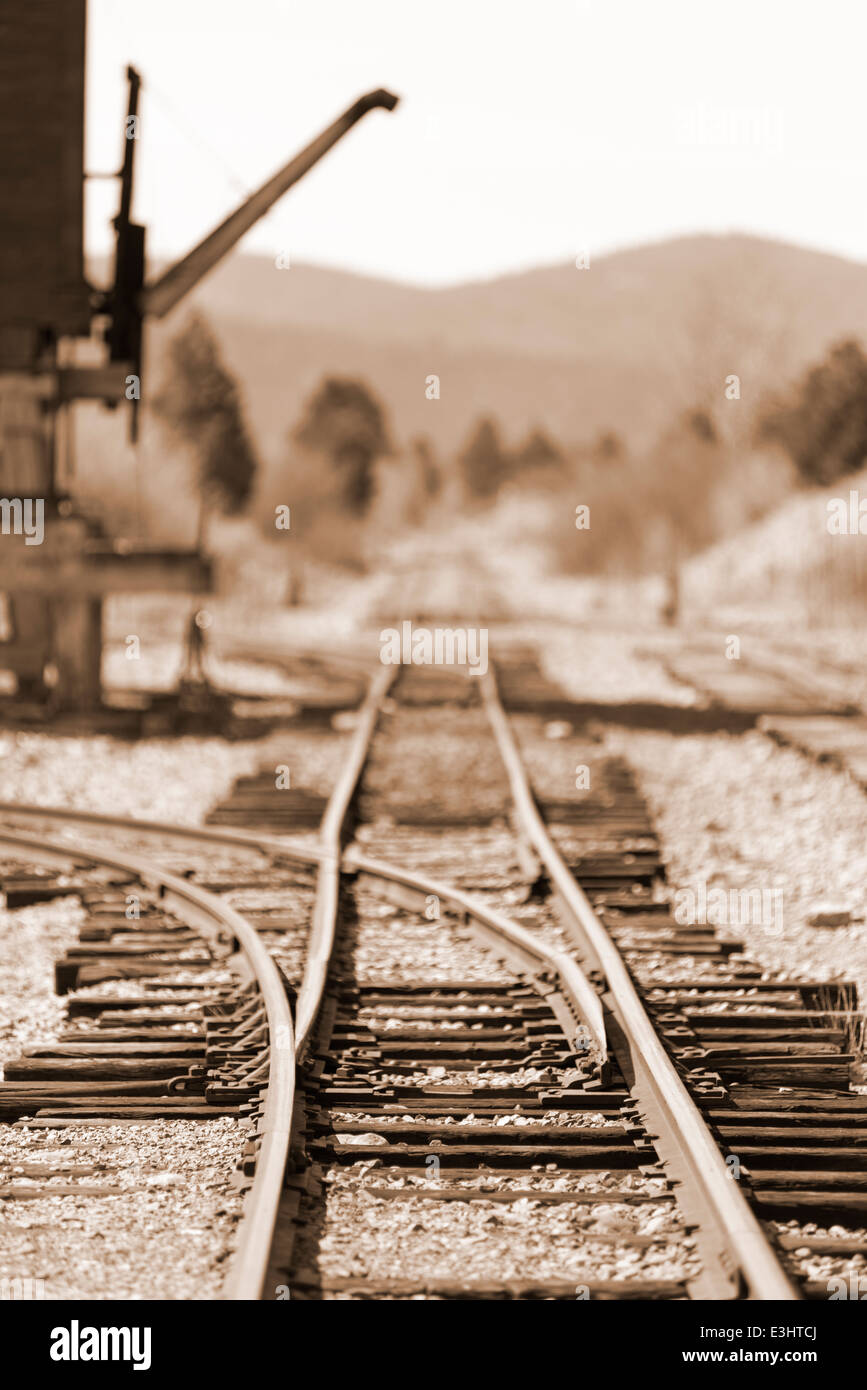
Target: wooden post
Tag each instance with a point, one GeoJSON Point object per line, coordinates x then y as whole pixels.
{"type": "Point", "coordinates": [26, 471]}
{"type": "Point", "coordinates": [77, 650]}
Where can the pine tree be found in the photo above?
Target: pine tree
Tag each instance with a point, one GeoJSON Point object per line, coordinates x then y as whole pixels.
{"type": "Point", "coordinates": [823, 425]}
{"type": "Point", "coordinates": [537, 451]}
{"type": "Point", "coordinates": [483, 464]}
{"type": "Point", "coordinates": [200, 403]}
{"type": "Point", "coordinates": [344, 422]}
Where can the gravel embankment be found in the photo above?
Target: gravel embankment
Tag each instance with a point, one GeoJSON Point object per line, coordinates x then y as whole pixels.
{"type": "Point", "coordinates": [606, 666]}
{"type": "Point", "coordinates": [810, 1264]}
{"type": "Point", "coordinates": [154, 1208]}
{"type": "Point", "coordinates": [164, 1234]}
{"type": "Point", "coordinates": [446, 758]}
{"type": "Point", "coordinates": [372, 1237]}
{"type": "Point", "coordinates": [740, 812]}
{"type": "Point", "coordinates": [31, 940]}
{"type": "Point", "coordinates": [167, 1232]}
{"type": "Point", "coordinates": [353, 1232]}
{"type": "Point", "coordinates": [156, 779]}
{"type": "Point", "coordinates": [737, 812]}
{"type": "Point", "coordinates": [402, 947]}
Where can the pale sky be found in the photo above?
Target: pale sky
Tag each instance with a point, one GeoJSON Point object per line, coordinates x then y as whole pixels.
{"type": "Point", "coordinates": [526, 132]}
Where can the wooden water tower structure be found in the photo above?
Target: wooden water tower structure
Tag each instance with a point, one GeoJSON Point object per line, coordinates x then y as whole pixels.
{"type": "Point", "coordinates": [55, 586]}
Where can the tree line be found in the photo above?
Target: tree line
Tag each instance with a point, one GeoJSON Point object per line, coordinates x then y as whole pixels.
{"type": "Point", "coordinates": [337, 448]}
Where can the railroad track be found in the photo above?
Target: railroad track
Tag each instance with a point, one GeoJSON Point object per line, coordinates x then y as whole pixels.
{"type": "Point", "coordinates": [397, 1077]}
{"type": "Point", "coordinates": [433, 1068]}
{"type": "Point", "coordinates": [174, 998]}
{"type": "Point", "coordinates": [766, 1060]}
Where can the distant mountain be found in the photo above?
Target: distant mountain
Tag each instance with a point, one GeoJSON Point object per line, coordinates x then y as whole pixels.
{"type": "Point", "coordinates": [621, 345]}
{"type": "Point", "coordinates": [640, 336]}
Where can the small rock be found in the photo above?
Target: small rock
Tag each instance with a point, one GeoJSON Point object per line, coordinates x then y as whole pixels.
{"type": "Point", "coordinates": [361, 1139]}
{"type": "Point", "coordinates": [558, 728]}
{"type": "Point", "coordinates": [830, 917]}
{"type": "Point", "coordinates": [344, 721]}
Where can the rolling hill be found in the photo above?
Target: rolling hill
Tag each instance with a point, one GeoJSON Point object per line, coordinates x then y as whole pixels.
{"type": "Point", "coordinates": [624, 345]}
{"type": "Point", "coordinates": [620, 346]}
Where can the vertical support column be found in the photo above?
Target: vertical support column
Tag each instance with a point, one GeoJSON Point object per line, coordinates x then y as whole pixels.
{"type": "Point", "coordinates": [76, 622]}
{"type": "Point", "coordinates": [26, 459]}
{"type": "Point", "coordinates": [77, 650]}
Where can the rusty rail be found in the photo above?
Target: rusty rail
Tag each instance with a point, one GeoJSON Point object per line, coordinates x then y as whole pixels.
{"type": "Point", "coordinates": [728, 1229]}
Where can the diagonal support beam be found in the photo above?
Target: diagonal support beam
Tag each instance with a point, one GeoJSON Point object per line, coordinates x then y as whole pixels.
{"type": "Point", "coordinates": [163, 294]}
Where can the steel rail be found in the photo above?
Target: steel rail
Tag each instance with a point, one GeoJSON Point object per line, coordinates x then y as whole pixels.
{"type": "Point", "coordinates": [170, 830]}
{"type": "Point", "coordinates": [737, 1230]}
{"type": "Point", "coordinates": [752, 1255]}
{"type": "Point", "coordinates": [498, 931]}
{"type": "Point", "coordinates": [324, 925]}
{"type": "Point", "coordinates": [215, 918]}
{"type": "Point", "coordinates": [250, 1260]}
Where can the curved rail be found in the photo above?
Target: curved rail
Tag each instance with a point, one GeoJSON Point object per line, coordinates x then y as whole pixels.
{"type": "Point", "coordinates": [249, 1265]}
{"type": "Point", "coordinates": [725, 1211]}
{"type": "Point", "coordinates": [738, 1241]}
{"type": "Point", "coordinates": [324, 925]}
{"type": "Point", "coordinates": [216, 918]}
{"type": "Point", "coordinates": [500, 932]}
{"type": "Point", "coordinates": [169, 830]}
{"type": "Point", "coordinates": [249, 1262]}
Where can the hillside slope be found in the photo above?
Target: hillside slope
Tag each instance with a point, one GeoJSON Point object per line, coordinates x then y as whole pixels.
{"type": "Point", "coordinates": [622, 345]}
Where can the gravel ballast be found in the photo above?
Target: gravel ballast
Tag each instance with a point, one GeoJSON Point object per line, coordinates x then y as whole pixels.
{"type": "Point", "coordinates": [164, 1235]}
{"type": "Point", "coordinates": [177, 780]}
{"type": "Point", "coordinates": [739, 812]}
{"type": "Point", "coordinates": [31, 939]}
{"type": "Point", "coordinates": [368, 1237]}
